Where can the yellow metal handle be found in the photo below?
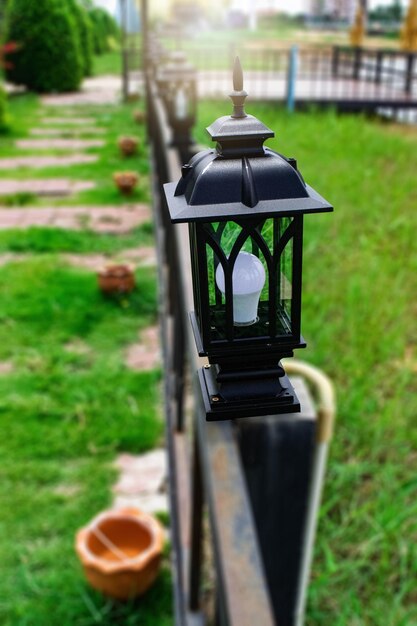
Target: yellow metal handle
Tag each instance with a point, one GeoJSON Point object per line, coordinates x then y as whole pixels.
{"type": "Point", "coordinates": [325, 395]}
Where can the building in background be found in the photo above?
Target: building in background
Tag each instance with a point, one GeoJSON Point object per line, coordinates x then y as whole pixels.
{"type": "Point", "coordinates": [338, 10]}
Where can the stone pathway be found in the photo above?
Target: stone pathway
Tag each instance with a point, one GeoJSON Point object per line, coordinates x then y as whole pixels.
{"type": "Point", "coordinates": [59, 132]}
{"type": "Point", "coordinates": [142, 481]}
{"type": "Point", "coordinates": [6, 368]}
{"type": "Point", "coordinates": [96, 91]}
{"type": "Point", "coordinates": [116, 220]}
{"type": "Point", "coordinates": [58, 144]}
{"type": "Point", "coordinates": [39, 162]}
{"type": "Point", "coordinates": [144, 355]}
{"type": "Point", "coordinates": [68, 121]}
{"type": "Point", "coordinates": [136, 257]}
{"type": "Point", "coordinates": [43, 187]}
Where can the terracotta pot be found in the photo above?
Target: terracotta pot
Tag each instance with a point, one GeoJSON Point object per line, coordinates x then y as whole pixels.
{"type": "Point", "coordinates": [121, 552]}
{"type": "Point", "coordinates": [114, 279]}
{"type": "Point", "coordinates": [126, 181]}
{"type": "Point", "coordinates": [128, 146]}
{"type": "Point", "coordinates": [139, 116]}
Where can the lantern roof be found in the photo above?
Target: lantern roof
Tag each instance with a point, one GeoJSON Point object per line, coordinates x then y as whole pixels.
{"type": "Point", "coordinates": [176, 68]}
{"type": "Point", "coordinates": [240, 177]}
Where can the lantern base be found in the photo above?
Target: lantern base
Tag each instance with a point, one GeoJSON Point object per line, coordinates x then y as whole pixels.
{"type": "Point", "coordinates": [246, 394]}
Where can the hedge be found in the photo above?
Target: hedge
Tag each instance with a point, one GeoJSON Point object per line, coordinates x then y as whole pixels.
{"type": "Point", "coordinates": [49, 58]}
{"type": "Point", "coordinates": [3, 110]}
{"type": "Point", "coordinates": [105, 29]}
{"type": "Point", "coordinates": [85, 35]}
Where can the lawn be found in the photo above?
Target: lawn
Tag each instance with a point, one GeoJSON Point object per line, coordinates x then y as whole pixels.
{"type": "Point", "coordinates": [69, 403]}
{"type": "Point", "coordinates": [359, 311]}
{"type": "Point", "coordinates": [67, 406]}
{"type": "Point", "coordinates": [116, 120]}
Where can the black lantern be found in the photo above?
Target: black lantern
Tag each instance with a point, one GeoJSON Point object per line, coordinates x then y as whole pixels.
{"type": "Point", "coordinates": [176, 81]}
{"type": "Point", "coordinates": [244, 204]}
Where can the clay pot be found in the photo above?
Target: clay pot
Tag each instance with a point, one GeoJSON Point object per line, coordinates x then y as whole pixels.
{"type": "Point", "coordinates": [114, 279]}
{"type": "Point", "coordinates": [126, 181]}
{"type": "Point", "coordinates": [128, 146]}
{"type": "Point", "coordinates": [121, 552]}
{"type": "Point", "coordinates": [139, 116]}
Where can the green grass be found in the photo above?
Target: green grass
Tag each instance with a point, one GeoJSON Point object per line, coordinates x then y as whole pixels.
{"type": "Point", "coordinates": [116, 120]}
{"type": "Point", "coordinates": [69, 403]}
{"type": "Point", "coordinates": [48, 239]}
{"type": "Point", "coordinates": [66, 408]}
{"type": "Point", "coordinates": [360, 278]}
{"type": "Point", "coordinates": [108, 63]}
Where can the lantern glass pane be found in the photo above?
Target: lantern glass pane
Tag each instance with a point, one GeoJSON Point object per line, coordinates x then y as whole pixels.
{"type": "Point", "coordinates": [249, 279]}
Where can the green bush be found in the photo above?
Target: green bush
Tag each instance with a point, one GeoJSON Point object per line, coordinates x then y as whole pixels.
{"type": "Point", "coordinates": [105, 30]}
{"type": "Point", "coordinates": [3, 110]}
{"type": "Point", "coordinates": [85, 35]}
{"type": "Point", "coordinates": [49, 58]}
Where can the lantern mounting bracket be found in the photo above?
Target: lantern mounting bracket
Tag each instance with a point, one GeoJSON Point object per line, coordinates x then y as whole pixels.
{"type": "Point", "coordinates": [239, 394]}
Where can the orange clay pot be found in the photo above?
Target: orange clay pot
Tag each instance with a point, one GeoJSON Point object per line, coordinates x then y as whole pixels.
{"type": "Point", "coordinates": [114, 279]}
{"type": "Point", "coordinates": [126, 181]}
{"type": "Point", "coordinates": [121, 552]}
{"type": "Point", "coordinates": [128, 146]}
{"type": "Point", "coordinates": [139, 116]}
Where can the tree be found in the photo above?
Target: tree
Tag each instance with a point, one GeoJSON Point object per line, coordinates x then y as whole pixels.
{"type": "Point", "coordinates": [104, 29]}
{"type": "Point", "coordinates": [85, 35]}
{"type": "Point", "coordinates": [49, 56]}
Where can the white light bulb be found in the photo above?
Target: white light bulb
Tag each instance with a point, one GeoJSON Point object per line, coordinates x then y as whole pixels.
{"type": "Point", "coordinates": [248, 280]}
{"type": "Point", "coordinates": [181, 105]}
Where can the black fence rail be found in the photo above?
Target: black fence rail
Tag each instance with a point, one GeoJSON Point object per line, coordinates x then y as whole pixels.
{"type": "Point", "coordinates": [393, 68]}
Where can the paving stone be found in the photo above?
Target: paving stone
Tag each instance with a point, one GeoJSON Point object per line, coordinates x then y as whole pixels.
{"type": "Point", "coordinates": [60, 132]}
{"type": "Point", "coordinates": [140, 257]}
{"type": "Point", "coordinates": [123, 219]}
{"type": "Point", "coordinates": [96, 91]}
{"type": "Point", "coordinates": [144, 256]}
{"type": "Point", "coordinates": [58, 144]}
{"type": "Point", "coordinates": [145, 354]}
{"type": "Point", "coordinates": [44, 187]}
{"type": "Point", "coordinates": [142, 481]}
{"type": "Point", "coordinates": [5, 368]}
{"type": "Point", "coordinates": [68, 121]}
{"type": "Point", "coordinates": [39, 162]}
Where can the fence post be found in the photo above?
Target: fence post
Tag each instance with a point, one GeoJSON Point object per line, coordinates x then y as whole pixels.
{"type": "Point", "coordinates": [292, 78]}
{"type": "Point", "coordinates": [378, 66]}
{"type": "Point", "coordinates": [335, 60]}
{"type": "Point", "coordinates": [357, 62]}
{"type": "Point", "coordinates": [409, 72]}
{"type": "Point", "coordinates": [125, 52]}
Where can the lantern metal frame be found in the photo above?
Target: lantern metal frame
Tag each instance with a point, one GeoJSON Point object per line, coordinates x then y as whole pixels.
{"type": "Point", "coordinates": [243, 182]}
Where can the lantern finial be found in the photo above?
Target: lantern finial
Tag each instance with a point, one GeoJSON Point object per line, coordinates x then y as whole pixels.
{"type": "Point", "coordinates": [238, 94]}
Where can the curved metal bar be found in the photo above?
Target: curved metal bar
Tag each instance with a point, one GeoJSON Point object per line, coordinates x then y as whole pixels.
{"type": "Point", "coordinates": [211, 241]}
{"type": "Point", "coordinates": [217, 236]}
{"type": "Point", "coordinates": [284, 239]}
{"type": "Point", "coordinates": [326, 417]}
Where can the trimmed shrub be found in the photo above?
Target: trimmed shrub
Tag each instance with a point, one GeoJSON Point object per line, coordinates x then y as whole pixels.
{"type": "Point", "coordinates": [49, 56]}
{"type": "Point", "coordinates": [105, 30]}
{"type": "Point", "coordinates": [3, 110]}
{"type": "Point", "coordinates": [85, 35]}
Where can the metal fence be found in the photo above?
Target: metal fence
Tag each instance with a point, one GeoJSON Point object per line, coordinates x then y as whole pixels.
{"type": "Point", "coordinates": [243, 494]}
{"type": "Point", "coordinates": [346, 78]}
